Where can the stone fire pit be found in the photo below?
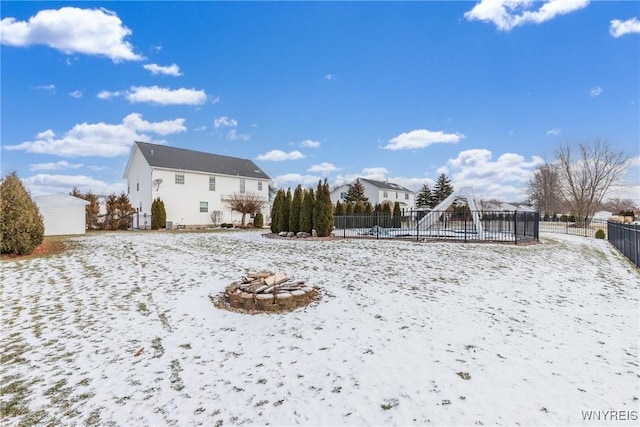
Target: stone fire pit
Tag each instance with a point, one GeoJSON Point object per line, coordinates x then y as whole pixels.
{"type": "Point", "coordinates": [267, 291]}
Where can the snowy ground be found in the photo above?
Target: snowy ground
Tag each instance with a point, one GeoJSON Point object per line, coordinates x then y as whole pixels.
{"type": "Point", "coordinates": [545, 332]}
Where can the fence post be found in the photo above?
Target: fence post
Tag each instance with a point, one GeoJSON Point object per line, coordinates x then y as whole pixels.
{"type": "Point", "coordinates": [465, 227]}
{"type": "Point", "coordinates": [344, 225]}
{"type": "Point", "coordinates": [515, 226]}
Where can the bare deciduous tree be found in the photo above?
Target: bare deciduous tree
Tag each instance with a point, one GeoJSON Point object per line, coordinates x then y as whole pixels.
{"type": "Point", "coordinates": [587, 171]}
{"type": "Point", "coordinates": [544, 189]}
{"type": "Point", "coordinates": [245, 203]}
{"type": "Point", "coordinates": [216, 217]}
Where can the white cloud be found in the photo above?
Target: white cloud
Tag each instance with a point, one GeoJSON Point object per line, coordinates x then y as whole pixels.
{"type": "Point", "coordinates": [421, 138]}
{"type": "Point", "coordinates": [554, 131]}
{"type": "Point", "coordinates": [224, 121]}
{"type": "Point", "coordinates": [309, 143]}
{"type": "Point", "coordinates": [215, 100]}
{"type": "Point", "coordinates": [619, 28]}
{"type": "Point", "coordinates": [293, 179]}
{"type": "Point", "coordinates": [596, 91]}
{"type": "Point", "coordinates": [279, 155]}
{"type": "Point", "coordinates": [504, 178]}
{"type": "Point", "coordinates": [72, 30]}
{"type": "Point", "coordinates": [328, 77]}
{"type": "Point", "coordinates": [323, 168]}
{"type": "Point", "coordinates": [234, 135]}
{"type": "Point", "coordinates": [105, 94]}
{"type": "Point", "coordinates": [46, 184]}
{"type": "Point", "coordinates": [54, 166]}
{"type": "Point", "coordinates": [378, 174]}
{"type": "Point", "coordinates": [508, 14]}
{"type": "Point", "coordinates": [165, 96]}
{"type": "Point", "coordinates": [76, 94]}
{"type": "Point", "coordinates": [170, 70]}
{"type": "Point", "coordinates": [48, 88]}
{"type": "Point", "coordinates": [199, 128]}
{"type": "Point", "coordinates": [100, 139]}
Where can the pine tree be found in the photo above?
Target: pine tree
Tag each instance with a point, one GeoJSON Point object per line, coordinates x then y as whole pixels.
{"type": "Point", "coordinates": [21, 226]}
{"type": "Point", "coordinates": [306, 212]}
{"type": "Point", "coordinates": [424, 196]}
{"type": "Point", "coordinates": [92, 210]}
{"type": "Point", "coordinates": [294, 211]}
{"type": "Point", "coordinates": [276, 211]}
{"type": "Point", "coordinates": [356, 193]}
{"type": "Point", "coordinates": [124, 211]}
{"type": "Point", "coordinates": [158, 214]}
{"type": "Point", "coordinates": [323, 212]}
{"type": "Point", "coordinates": [441, 190]}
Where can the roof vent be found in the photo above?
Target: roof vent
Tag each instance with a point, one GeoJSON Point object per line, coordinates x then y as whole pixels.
{"type": "Point", "coordinates": [152, 151]}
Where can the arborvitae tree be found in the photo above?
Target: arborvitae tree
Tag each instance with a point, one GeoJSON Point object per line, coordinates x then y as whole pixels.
{"type": "Point", "coordinates": [286, 208]}
{"type": "Point", "coordinates": [385, 214]}
{"type": "Point", "coordinates": [340, 208]}
{"type": "Point", "coordinates": [397, 215]}
{"type": "Point", "coordinates": [158, 214]}
{"type": "Point", "coordinates": [294, 211]}
{"type": "Point", "coordinates": [306, 212]}
{"type": "Point", "coordinates": [350, 210]}
{"type": "Point", "coordinates": [367, 208]}
{"type": "Point", "coordinates": [276, 211]}
{"type": "Point", "coordinates": [258, 220]}
{"type": "Point", "coordinates": [358, 207]}
{"type": "Point", "coordinates": [356, 193]}
{"type": "Point", "coordinates": [424, 196]}
{"type": "Point", "coordinates": [378, 208]}
{"type": "Point", "coordinates": [323, 212]}
{"type": "Point", "coordinates": [441, 190]}
{"type": "Point", "coordinates": [21, 225]}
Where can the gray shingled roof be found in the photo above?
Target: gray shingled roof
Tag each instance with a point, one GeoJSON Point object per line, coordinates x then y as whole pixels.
{"type": "Point", "coordinates": [386, 185]}
{"type": "Point", "coordinates": [189, 160]}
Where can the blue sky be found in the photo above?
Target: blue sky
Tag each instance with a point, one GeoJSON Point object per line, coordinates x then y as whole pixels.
{"type": "Point", "coordinates": [483, 91]}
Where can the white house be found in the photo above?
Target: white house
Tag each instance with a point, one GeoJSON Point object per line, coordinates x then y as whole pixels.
{"type": "Point", "coordinates": [62, 214]}
{"type": "Point", "coordinates": [192, 184]}
{"type": "Point", "coordinates": [378, 192]}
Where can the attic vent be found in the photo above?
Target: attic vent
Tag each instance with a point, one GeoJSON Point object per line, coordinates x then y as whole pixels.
{"type": "Point", "coordinates": [152, 152]}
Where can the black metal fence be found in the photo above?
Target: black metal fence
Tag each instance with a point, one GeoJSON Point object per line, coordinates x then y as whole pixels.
{"type": "Point", "coordinates": [493, 226]}
{"type": "Point", "coordinates": [587, 227]}
{"type": "Point", "coordinates": [626, 238]}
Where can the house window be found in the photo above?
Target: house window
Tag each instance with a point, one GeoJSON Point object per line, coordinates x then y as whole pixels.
{"type": "Point", "coordinates": [406, 196]}
{"type": "Point", "coordinates": [385, 194]}
{"type": "Point", "coordinates": [259, 185]}
{"type": "Point", "coordinates": [212, 183]}
{"type": "Point", "coordinates": [343, 196]}
{"type": "Point", "coordinates": [242, 184]}
{"type": "Point", "coordinates": [396, 195]}
{"type": "Point", "coordinates": [179, 178]}
{"type": "Point", "coordinates": [204, 207]}
{"type": "Point", "coordinates": [137, 186]}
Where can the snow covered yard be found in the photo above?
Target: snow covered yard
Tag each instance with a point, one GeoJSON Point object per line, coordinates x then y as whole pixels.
{"type": "Point", "coordinates": [545, 332]}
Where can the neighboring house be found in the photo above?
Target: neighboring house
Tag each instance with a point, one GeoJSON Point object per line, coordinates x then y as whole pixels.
{"type": "Point", "coordinates": [192, 184]}
{"type": "Point", "coordinates": [62, 214]}
{"type": "Point", "coordinates": [378, 192]}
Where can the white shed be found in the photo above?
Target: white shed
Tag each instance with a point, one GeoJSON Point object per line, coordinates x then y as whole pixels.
{"type": "Point", "coordinates": [62, 214]}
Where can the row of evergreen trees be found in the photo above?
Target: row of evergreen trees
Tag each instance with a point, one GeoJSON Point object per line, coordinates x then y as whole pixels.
{"type": "Point", "coordinates": [305, 210]}
{"type": "Point", "coordinates": [432, 197]}
{"type": "Point", "coordinates": [118, 211]}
